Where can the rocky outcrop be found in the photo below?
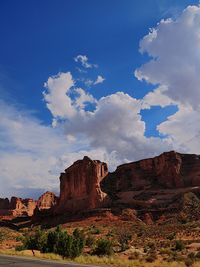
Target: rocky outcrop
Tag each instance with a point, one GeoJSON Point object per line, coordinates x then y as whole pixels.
{"type": "Point", "coordinates": [47, 201]}
{"type": "Point", "coordinates": [151, 188]}
{"type": "Point", "coordinates": [155, 185]}
{"type": "Point", "coordinates": [4, 203]}
{"type": "Point", "coordinates": [17, 207]}
{"type": "Point", "coordinates": [80, 186]}
{"type": "Point", "coordinates": [168, 171]}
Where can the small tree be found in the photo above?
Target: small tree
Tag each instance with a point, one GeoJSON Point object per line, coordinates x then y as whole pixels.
{"type": "Point", "coordinates": [36, 241]}
{"type": "Point", "coordinates": [52, 239]}
{"type": "Point", "coordinates": [104, 247]}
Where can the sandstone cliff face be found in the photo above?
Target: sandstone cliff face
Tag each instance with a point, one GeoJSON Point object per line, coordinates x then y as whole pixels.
{"type": "Point", "coordinates": [156, 184]}
{"type": "Point", "coordinates": [47, 201]}
{"type": "Point", "coordinates": [153, 187]}
{"type": "Point", "coordinates": [80, 186]}
{"type": "Point", "coordinates": [168, 171]}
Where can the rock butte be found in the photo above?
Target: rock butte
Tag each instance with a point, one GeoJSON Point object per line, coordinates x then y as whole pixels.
{"type": "Point", "coordinates": [154, 187]}
{"type": "Point", "coordinates": [18, 207]}
{"type": "Point", "coordinates": [47, 201]}
{"type": "Point", "coordinates": [80, 186]}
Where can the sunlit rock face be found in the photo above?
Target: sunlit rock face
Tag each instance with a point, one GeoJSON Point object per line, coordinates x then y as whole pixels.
{"type": "Point", "coordinates": [80, 186]}
{"type": "Point", "coordinates": [17, 207]}
{"type": "Point", "coordinates": [47, 201]}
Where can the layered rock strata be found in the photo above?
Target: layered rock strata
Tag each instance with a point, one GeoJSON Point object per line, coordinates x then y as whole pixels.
{"type": "Point", "coordinates": [80, 186]}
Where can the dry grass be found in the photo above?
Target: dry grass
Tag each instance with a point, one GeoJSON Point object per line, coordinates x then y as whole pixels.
{"type": "Point", "coordinates": [114, 261]}
{"type": "Point", "coordinates": [28, 253]}
{"type": "Point", "coordinates": [95, 260]}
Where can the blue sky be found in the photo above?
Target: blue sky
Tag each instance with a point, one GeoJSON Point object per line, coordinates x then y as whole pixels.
{"type": "Point", "coordinates": [42, 39]}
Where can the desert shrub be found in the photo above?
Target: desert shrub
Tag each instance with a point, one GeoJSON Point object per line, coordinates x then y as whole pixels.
{"type": "Point", "coordinates": [150, 247]}
{"type": "Point", "coordinates": [68, 246]}
{"type": "Point", "coordinates": [123, 237]}
{"type": "Point", "coordinates": [174, 256]}
{"type": "Point", "coordinates": [129, 214]}
{"type": "Point", "coordinates": [165, 251]}
{"type": "Point", "coordinates": [20, 248]}
{"type": "Point", "coordinates": [188, 262]}
{"type": "Point", "coordinates": [134, 255]}
{"type": "Point", "coordinates": [179, 245]}
{"type": "Point", "coordinates": [183, 218]}
{"type": "Point", "coordinates": [78, 243]}
{"type": "Point", "coordinates": [191, 255]}
{"type": "Point", "coordinates": [111, 233]}
{"type": "Point", "coordinates": [197, 255]}
{"type": "Point", "coordinates": [52, 240]}
{"type": "Point", "coordinates": [103, 247]}
{"type": "Point", "coordinates": [57, 241]}
{"type": "Point", "coordinates": [151, 257]}
{"type": "Point", "coordinates": [36, 240]}
{"type": "Point", "coordinates": [90, 241]}
{"type": "Point", "coordinates": [95, 231]}
{"type": "Point", "coordinates": [171, 236]}
{"type": "Point", "coordinates": [1, 237]}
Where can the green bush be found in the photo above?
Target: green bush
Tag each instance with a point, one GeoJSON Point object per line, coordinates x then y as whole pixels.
{"type": "Point", "coordinates": [95, 231]}
{"type": "Point", "coordinates": [197, 255]}
{"type": "Point", "coordinates": [20, 248]}
{"type": "Point", "coordinates": [103, 247]}
{"type": "Point", "coordinates": [90, 241]}
{"type": "Point", "coordinates": [57, 241]}
{"type": "Point", "coordinates": [179, 245]}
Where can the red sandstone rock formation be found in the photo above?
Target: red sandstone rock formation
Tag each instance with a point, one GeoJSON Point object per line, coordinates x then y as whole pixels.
{"type": "Point", "coordinates": [153, 187]}
{"type": "Point", "coordinates": [80, 186]}
{"type": "Point", "coordinates": [17, 207]}
{"type": "Point", "coordinates": [170, 170]}
{"type": "Point", "coordinates": [4, 203]}
{"type": "Point", "coordinates": [156, 185]}
{"type": "Point", "coordinates": [47, 201]}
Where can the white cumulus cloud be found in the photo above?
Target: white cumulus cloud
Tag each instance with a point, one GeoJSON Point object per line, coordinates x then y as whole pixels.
{"type": "Point", "coordinates": [174, 50]}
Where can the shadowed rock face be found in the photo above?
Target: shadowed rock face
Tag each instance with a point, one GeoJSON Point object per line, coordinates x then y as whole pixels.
{"type": "Point", "coordinates": [155, 184]}
{"type": "Point", "coordinates": [4, 203]}
{"type": "Point", "coordinates": [80, 186]}
{"type": "Point", "coordinates": [168, 171]}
